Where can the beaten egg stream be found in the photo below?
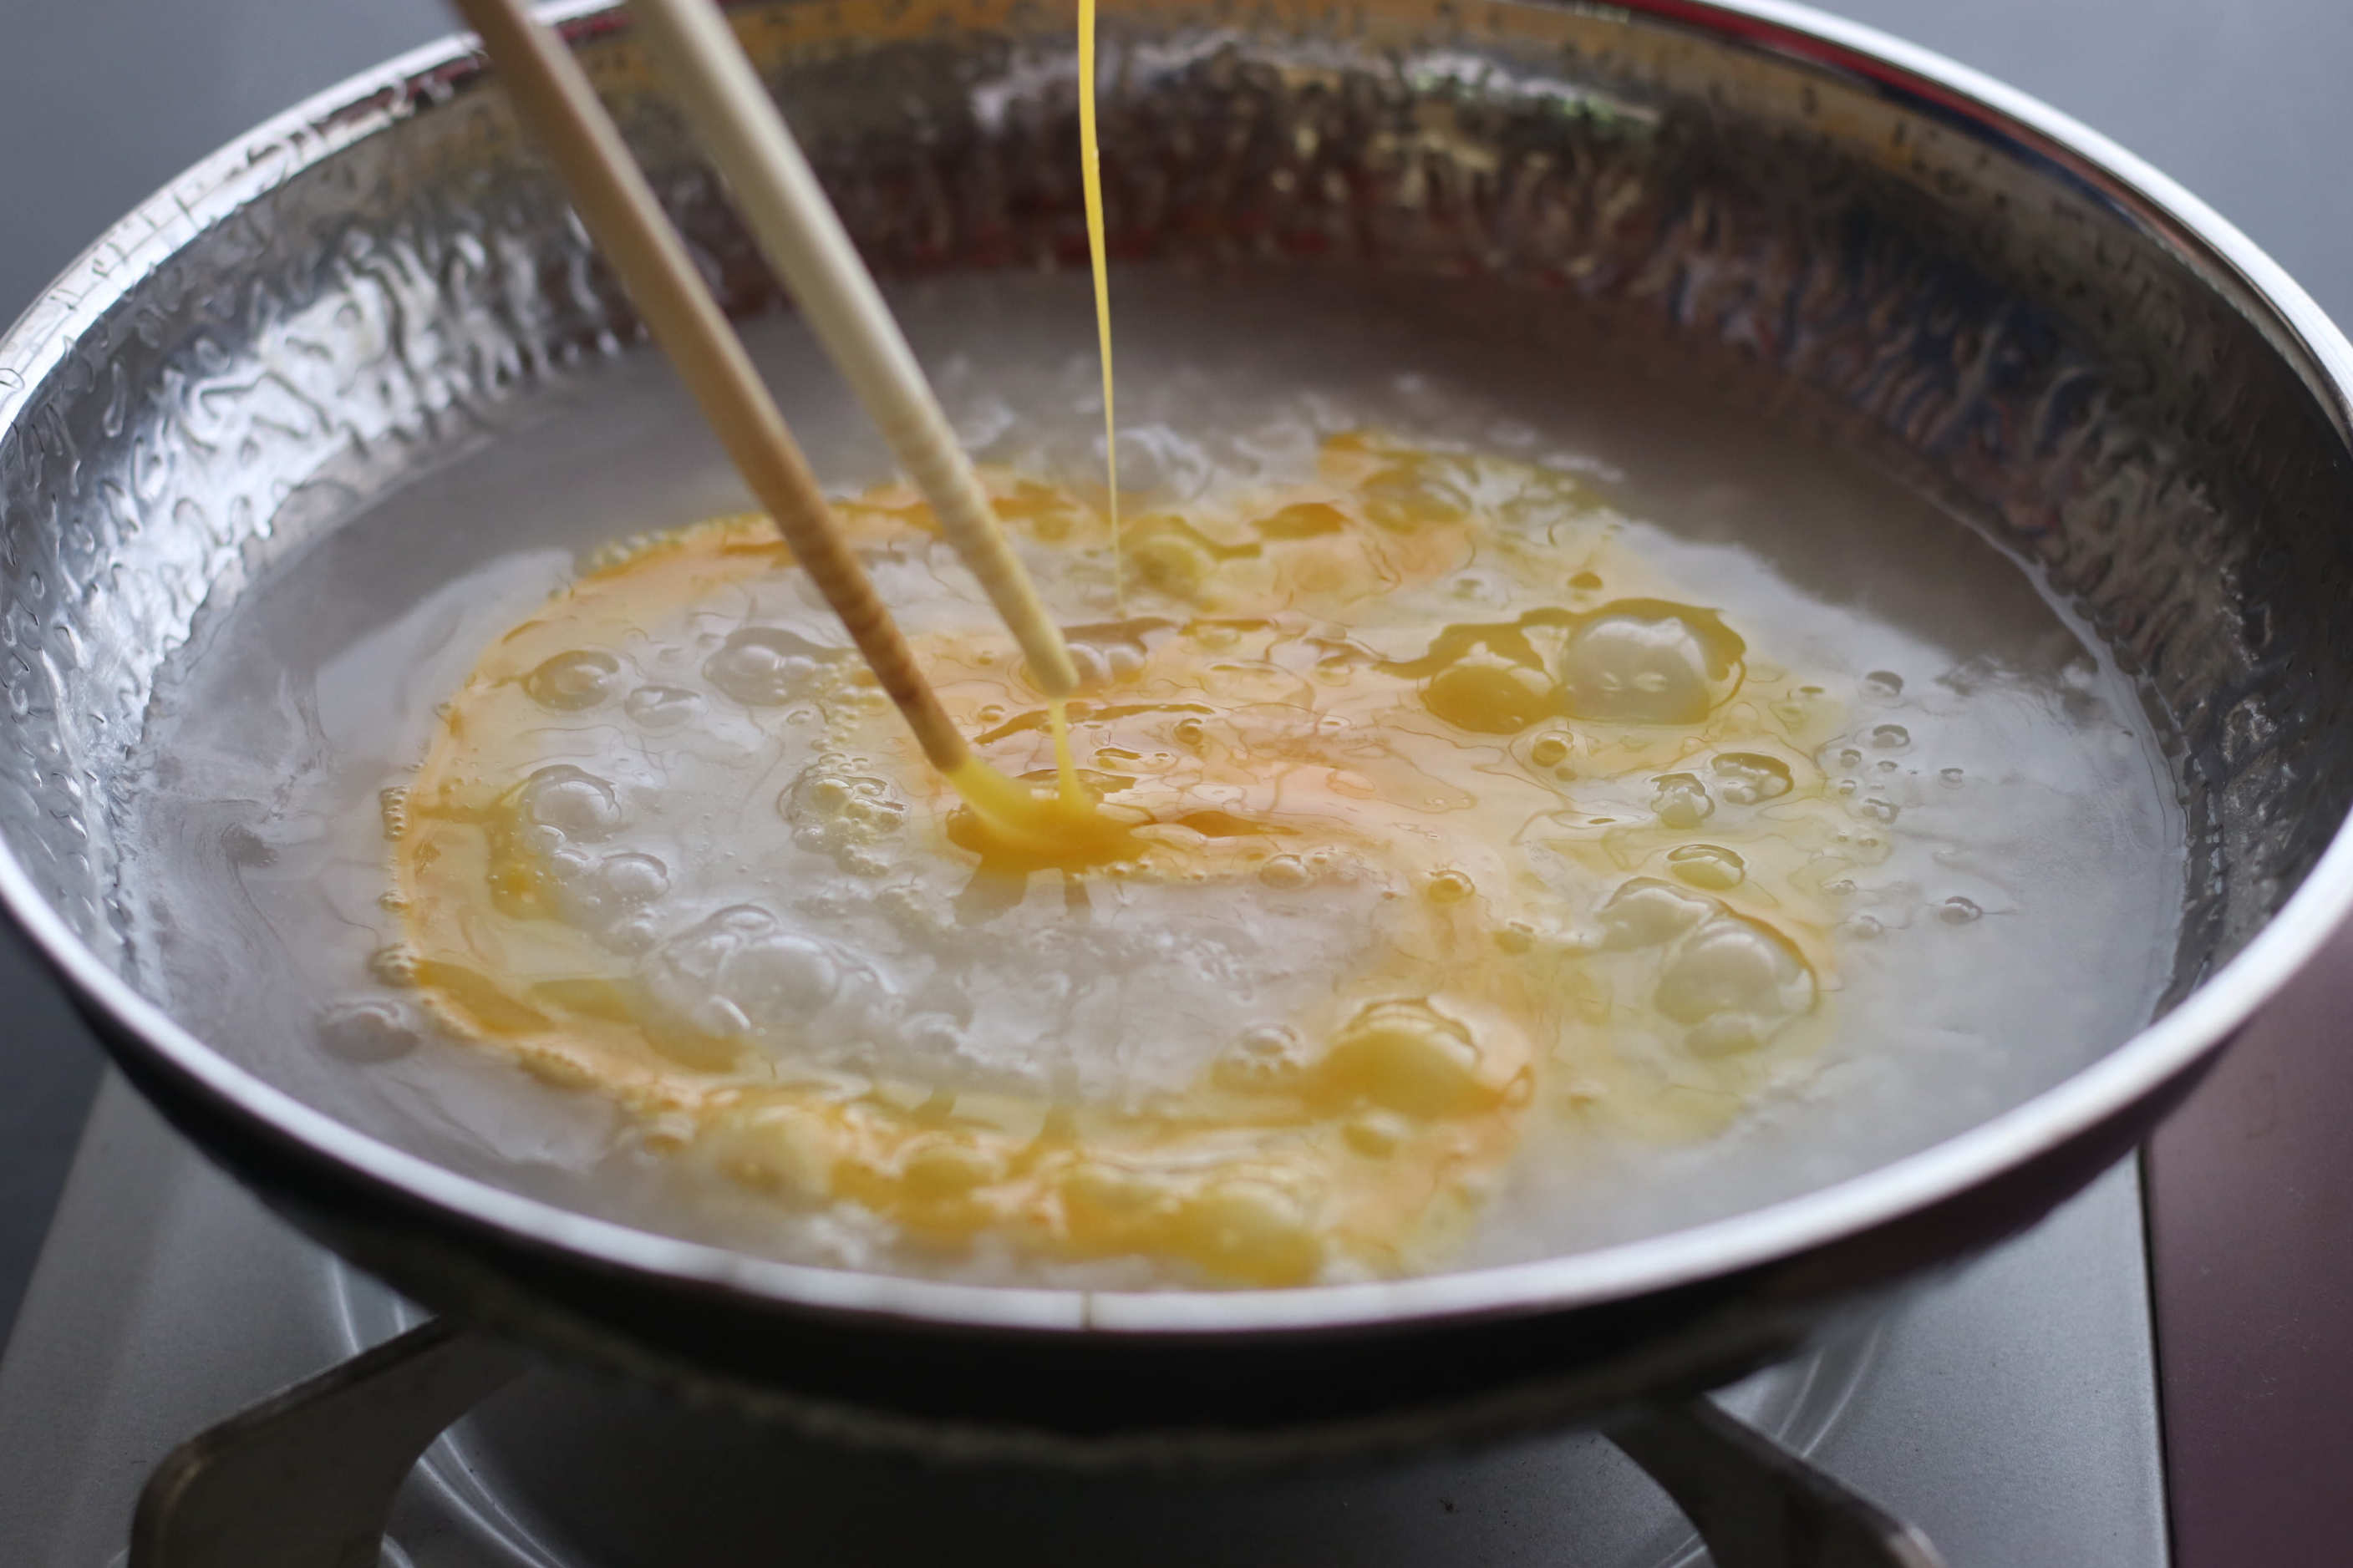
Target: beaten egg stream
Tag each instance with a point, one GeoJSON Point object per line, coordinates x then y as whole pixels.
{"type": "Point", "coordinates": [1432, 821]}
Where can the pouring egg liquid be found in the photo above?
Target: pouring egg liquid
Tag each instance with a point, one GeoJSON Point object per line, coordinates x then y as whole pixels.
{"type": "Point", "coordinates": [1091, 190]}
{"type": "Point", "coordinates": [1064, 826]}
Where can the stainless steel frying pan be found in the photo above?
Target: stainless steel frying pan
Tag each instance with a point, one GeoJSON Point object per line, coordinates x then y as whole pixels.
{"type": "Point", "coordinates": [1968, 287]}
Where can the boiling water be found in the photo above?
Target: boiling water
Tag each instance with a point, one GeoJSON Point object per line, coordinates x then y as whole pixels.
{"type": "Point", "coordinates": [1913, 820]}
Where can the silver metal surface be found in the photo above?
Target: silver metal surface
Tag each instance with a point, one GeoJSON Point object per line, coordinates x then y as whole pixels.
{"type": "Point", "coordinates": [305, 1479]}
{"type": "Point", "coordinates": [1982, 295]}
{"type": "Point", "coordinates": [2011, 1412]}
{"type": "Point", "coordinates": [1757, 1506]}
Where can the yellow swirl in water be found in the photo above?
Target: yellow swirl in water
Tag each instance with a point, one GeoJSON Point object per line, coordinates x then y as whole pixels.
{"type": "Point", "coordinates": [1565, 857]}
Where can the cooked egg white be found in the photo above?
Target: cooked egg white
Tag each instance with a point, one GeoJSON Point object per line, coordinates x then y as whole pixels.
{"type": "Point", "coordinates": [1421, 819]}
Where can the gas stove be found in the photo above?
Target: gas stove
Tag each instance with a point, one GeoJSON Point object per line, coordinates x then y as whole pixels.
{"type": "Point", "coordinates": [2008, 1411]}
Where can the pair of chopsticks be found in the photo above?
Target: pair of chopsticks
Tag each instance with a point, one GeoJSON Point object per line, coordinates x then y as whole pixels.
{"type": "Point", "coordinates": [802, 237]}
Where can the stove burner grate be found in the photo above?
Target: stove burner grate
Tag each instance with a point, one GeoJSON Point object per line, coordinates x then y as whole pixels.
{"type": "Point", "coordinates": [306, 1477]}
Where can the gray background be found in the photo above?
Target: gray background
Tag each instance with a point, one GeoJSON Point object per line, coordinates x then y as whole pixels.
{"type": "Point", "coordinates": [103, 100]}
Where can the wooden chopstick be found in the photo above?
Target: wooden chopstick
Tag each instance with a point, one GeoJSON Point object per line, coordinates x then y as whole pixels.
{"type": "Point", "coordinates": [802, 237]}
{"type": "Point", "coordinates": [554, 97]}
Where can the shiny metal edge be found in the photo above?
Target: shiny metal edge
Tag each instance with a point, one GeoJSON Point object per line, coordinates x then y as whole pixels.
{"type": "Point", "coordinates": [2200, 1023]}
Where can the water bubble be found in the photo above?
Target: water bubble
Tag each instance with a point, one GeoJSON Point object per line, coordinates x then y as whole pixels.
{"type": "Point", "coordinates": [1404, 1056]}
{"type": "Point", "coordinates": [634, 879]}
{"type": "Point", "coordinates": [765, 667]}
{"type": "Point", "coordinates": [372, 1029]}
{"type": "Point", "coordinates": [1732, 964]}
{"type": "Point", "coordinates": [392, 806]}
{"type": "Point", "coordinates": [1680, 800]}
{"type": "Point", "coordinates": [568, 802]}
{"type": "Point", "coordinates": [1646, 911]}
{"type": "Point", "coordinates": [1548, 751]}
{"type": "Point", "coordinates": [1167, 554]}
{"type": "Point", "coordinates": [1284, 872]}
{"type": "Point", "coordinates": [1950, 777]}
{"type": "Point", "coordinates": [741, 969]}
{"type": "Point", "coordinates": [1725, 1035]}
{"type": "Point", "coordinates": [661, 707]}
{"type": "Point", "coordinates": [1647, 662]}
{"type": "Point", "coordinates": [570, 682]}
{"type": "Point", "coordinates": [566, 863]}
{"type": "Point", "coordinates": [1891, 737]}
{"type": "Point", "coordinates": [1489, 694]}
{"type": "Point", "coordinates": [1883, 809]}
{"type": "Point", "coordinates": [848, 815]}
{"type": "Point", "coordinates": [1709, 865]}
{"type": "Point", "coordinates": [933, 1035]}
{"type": "Point", "coordinates": [1958, 911]}
{"type": "Point", "coordinates": [780, 981]}
{"type": "Point", "coordinates": [1883, 683]}
{"type": "Point", "coordinates": [1746, 778]}
{"type": "Point", "coordinates": [719, 1018]}
{"type": "Point", "coordinates": [632, 936]}
{"type": "Point", "coordinates": [1267, 1056]}
{"type": "Point", "coordinates": [1449, 887]}
{"type": "Point", "coordinates": [394, 965]}
{"type": "Point", "coordinates": [1376, 1134]}
{"type": "Point", "coordinates": [1110, 652]}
